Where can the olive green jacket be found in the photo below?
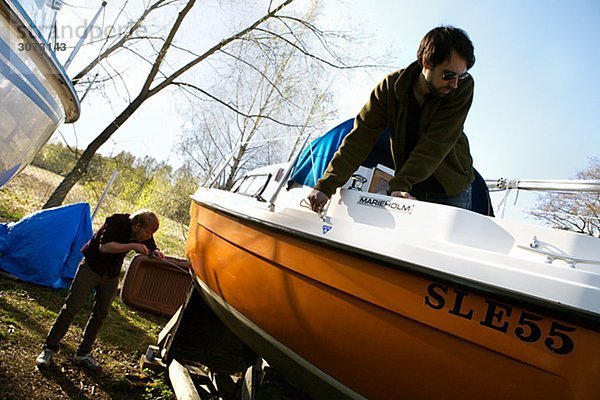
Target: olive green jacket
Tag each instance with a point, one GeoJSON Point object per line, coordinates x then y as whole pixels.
{"type": "Point", "coordinates": [442, 149]}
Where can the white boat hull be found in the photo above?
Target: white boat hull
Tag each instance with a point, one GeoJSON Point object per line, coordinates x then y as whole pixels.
{"type": "Point", "coordinates": [36, 96]}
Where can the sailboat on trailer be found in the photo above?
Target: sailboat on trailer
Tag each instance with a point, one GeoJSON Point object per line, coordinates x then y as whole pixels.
{"type": "Point", "coordinates": [385, 298]}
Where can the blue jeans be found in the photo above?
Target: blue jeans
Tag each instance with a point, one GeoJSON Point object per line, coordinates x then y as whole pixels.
{"type": "Point", "coordinates": [461, 200]}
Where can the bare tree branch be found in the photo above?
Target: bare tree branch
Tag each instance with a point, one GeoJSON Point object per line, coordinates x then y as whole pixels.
{"type": "Point", "coordinates": [218, 47]}
{"type": "Point", "coordinates": [232, 107]}
{"type": "Point", "coordinates": [165, 47]}
{"type": "Point", "coordinates": [577, 212]}
{"type": "Point", "coordinates": [124, 38]}
{"type": "Point", "coordinates": [262, 74]}
{"type": "Point", "coordinates": [308, 54]}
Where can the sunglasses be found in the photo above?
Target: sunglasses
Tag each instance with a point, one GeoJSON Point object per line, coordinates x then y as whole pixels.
{"type": "Point", "coordinates": [450, 75]}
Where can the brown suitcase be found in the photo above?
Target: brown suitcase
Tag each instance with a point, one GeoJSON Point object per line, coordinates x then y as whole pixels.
{"type": "Point", "coordinates": [158, 287]}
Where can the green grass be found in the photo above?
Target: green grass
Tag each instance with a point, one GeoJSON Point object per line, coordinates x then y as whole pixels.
{"type": "Point", "coordinates": [26, 313]}
{"type": "Point", "coordinates": [8, 212]}
{"type": "Point", "coordinates": [158, 388]}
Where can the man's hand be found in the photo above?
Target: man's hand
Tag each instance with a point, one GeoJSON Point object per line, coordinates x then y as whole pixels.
{"type": "Point", "coordinates": [404, 195]}
{"type": "Point", "coordinates": [156, 254]}
{"type": "Point", "coordinates": [317, 200]}
{"type": "Point", "coordinates": [140, 248]}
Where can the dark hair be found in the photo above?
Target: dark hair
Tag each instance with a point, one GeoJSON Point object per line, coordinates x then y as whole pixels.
{"type": "Point", "coordinates": [437, 45]}
{"type": "Point", "coordinates": [146, 218]}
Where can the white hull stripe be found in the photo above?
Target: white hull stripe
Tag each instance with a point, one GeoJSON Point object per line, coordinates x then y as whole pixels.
{"type": "Point", "coordinates": [22, 76]}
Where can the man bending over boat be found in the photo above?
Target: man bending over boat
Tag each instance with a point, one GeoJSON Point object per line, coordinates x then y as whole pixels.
{"type": "Point", "coordinates": [99, 271]}
{"type": "Point", "coordinates": [425, 107]}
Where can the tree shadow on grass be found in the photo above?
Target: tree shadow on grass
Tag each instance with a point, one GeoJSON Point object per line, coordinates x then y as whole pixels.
{"type": "Point", "coordinates": [54, 373]}
{"type": "Point", "coordinates": [31, 309]}
{"type": "Point", "coordinates": [117, 332]}
{"type": "Point", "coordinates": [6, 386]}
{"type": "Point", "coordinates": [115, 389]}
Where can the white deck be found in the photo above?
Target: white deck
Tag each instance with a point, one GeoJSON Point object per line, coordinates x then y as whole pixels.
{"type": "Point", "coordinates": [454, 242]}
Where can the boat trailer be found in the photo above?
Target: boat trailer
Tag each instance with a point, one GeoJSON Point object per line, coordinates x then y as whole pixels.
{"type": "Point", "coordinates": [205, 360]}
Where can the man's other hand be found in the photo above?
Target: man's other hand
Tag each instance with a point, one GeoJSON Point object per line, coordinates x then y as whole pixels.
{"type": "Point", "coordinates": [156, 254]}
{"type": "Point", "coordinates": [404, 195]}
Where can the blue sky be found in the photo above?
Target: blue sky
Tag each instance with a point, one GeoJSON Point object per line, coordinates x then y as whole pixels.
{"type": "Point", "coordinates": [537, 93]}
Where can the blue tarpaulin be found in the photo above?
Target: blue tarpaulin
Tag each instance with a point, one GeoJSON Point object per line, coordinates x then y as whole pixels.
{"type": "Point", "coordinates": [45, 247]}
{"type": "Point", "coordinates": [316, 156]}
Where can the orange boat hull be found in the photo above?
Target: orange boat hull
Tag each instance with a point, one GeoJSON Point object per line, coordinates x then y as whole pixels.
{"type": "Point", "coordinates": [388, 331]}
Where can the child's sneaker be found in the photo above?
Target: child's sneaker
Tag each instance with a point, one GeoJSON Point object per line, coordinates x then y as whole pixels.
{"type": "Point", "coordinates": [45, 358]}
{"type": "Point", "coordinates": [88, 361]}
